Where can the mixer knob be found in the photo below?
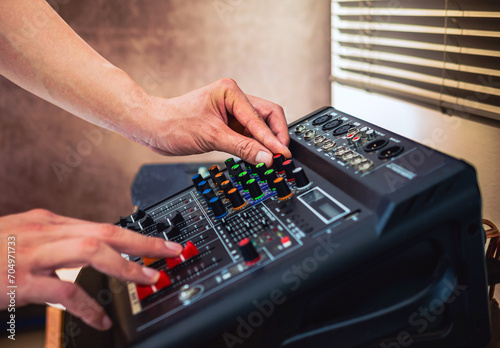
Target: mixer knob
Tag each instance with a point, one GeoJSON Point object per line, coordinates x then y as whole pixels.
{"type": "Point", "coordinates": [229, 163]}
{"type": "Point", "coordinates": [208, 194]}
{"type": "Point", "coordinates": [236, 199]}
{"type": "Point", "coordinates": [217, 207]}
{"type": "Point", "coordinates": [282, 189]}
{"type": "Point", "coordinates": [213, 170]}
{"type": "Point", "coordinates": [243, 177]}
{"type": "Point", "coordinates": [250, 168]}
{"type": "Point", "coordinates": [270, 176]}
{"type": "Point", "coordinates": [202, 186]}
{"type": "Point", "coordinates": [301, 179]}
{"type": "Point", "coordinates": [254, 189]}
{"type": "Point", "coordinates": [235, 171]}
{"type": "Point", "coordinates": [219, 178]}
{"type": "Point", "coordinates": [261, 169]}
{"type": "Point", "coordinates": [248, 251]}
{"type": "Point", "coordinates": [225, 186]}
{"type": "Point", "coordinates": [289, 166]}
{"type": "Point", "coordinates": [170, 231]}
{"type": "Point", "coordinates": [197, 178]}
{"type": "Point", "coordinates": [278, 160]}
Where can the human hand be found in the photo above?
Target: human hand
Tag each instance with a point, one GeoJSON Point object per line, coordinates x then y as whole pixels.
{"type": "Point", "coordinates": [216, 117]}
{"type": "Point", "coordinates": [44, 242]}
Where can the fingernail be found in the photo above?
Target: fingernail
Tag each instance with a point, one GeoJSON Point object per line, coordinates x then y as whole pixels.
{"type": "Point", "coordinates": [263, 156]}
{"type": "Point", "coordinates": [174, 246]}
{"type": "Point", "coordinates": [151, 273]}
{"type": "Point", "coordinates": [106, 322]}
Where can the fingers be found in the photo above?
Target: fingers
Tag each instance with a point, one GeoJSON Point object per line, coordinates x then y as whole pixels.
{"type": "Point", "coordinates": [72, 297]}
{"type": "Point", "coordinates": [90, 251]}
{"type": "Point", "coordinates": [237, 104]}
{"type": "Point", "coordinates": [118, 238]}
{"type": "Point", "coordinates": [274, 116]}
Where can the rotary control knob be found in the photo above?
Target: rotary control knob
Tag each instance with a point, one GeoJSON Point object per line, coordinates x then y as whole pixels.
{"type": "Point", "coordinates": [301, 179]}
{"type": "Point", "coordinates": [202, 186]}
{"type": "Point", "coordinates": [236, 170]}
{"type": "Point", "coordinates": [236, 199]}
{"type": "Point", "coordinates": [225, 186]}
{"type": "Point", "coordinates": [250, 168]}
{"type": "Point", "coordinates": [278, 160]}
{"type": "Point", "coordinates": [213, 170]}
{"type": "Point", "coordinates": [254, 189]}
{"type": "Point", "coordinates": [282, 189]}
{"type": "Point", "coordinates": [243, 177]}
{"type": "Point", "coordinates": [196, 179]}
{"type": "Point", "coordinates": [248, 251]}
{"type": "Point", "coordinates": [219, 178]}
{"type": "Point", "coordinates": [229, 163]}
{"type": "Point", "coordinates": [208, 194]}
{"type": "Point", "coordinates": [289, 166]}
{"type": "Point", "coordinates": [270, 176]}
{"type": "Point", "coordinates": [217, 207]}
{"type": "Point", "coordinates": [261, 169]}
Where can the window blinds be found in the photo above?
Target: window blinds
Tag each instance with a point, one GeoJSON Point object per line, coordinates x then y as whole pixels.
{"type": "Point", "coordinates": [442, 53]}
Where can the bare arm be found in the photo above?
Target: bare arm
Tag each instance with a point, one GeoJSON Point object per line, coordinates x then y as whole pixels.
{"type": "Point", "coordinates": [50, 60]}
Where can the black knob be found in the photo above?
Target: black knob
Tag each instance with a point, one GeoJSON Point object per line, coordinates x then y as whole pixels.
{"type": "Point", "coordinates": [289, 166]}
{"type": "Point", "coordinates": [248, 251]}
{"type": "Point", "coordinates": [208, 194]}
{"type": "Point", "coordinates": [261, 169]}
{"type": "Point", "coordinates": [225, 186]}
{"type": "Point", "coordinates": [278, 160]}
{"type": "Point", "coordinates": [250, 168]}
{"type": "Point", "coordinates": [254, 189]}
{"type": "Point", "coordinates": [243, 177]}
{"type": "Point", "coordinates": [236, 199]}
{"type": "Point", "coordinates": [213, 170]}
{"type": "Point", "coordinates": [236, 170]}
{"type": "Point", "coordinates": [217, 207]}
{"type": "Point", "coordinates": [219, 178]}
{"type": "Point", "coordinates": [202, 186]}
{"type": "Point", "coordinates": [301, 179]}
{"type": "Point", "coordinates": [282, 188]}
{"type": "Point", "coordinates": [229, 163]}
{"type": "Point", "coordinates": [197, 178]}
{"type": "Point", "coordinates": [270, 176]}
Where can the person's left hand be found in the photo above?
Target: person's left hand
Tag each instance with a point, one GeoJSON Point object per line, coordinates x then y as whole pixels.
{"type": "Point", "coordinates": [216, 117]}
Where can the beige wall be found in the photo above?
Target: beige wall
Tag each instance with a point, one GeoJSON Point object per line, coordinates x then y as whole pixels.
{"type": "Point", "coordinates": [277, 50]}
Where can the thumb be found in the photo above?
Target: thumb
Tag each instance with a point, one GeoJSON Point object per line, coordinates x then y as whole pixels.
{"type": "Point", "coordinates": [246, 148]}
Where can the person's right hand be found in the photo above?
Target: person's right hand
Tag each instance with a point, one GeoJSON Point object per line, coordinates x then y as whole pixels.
{"type": "Point", "coordinates": [43, 242]}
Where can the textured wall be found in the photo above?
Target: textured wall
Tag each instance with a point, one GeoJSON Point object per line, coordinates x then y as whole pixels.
{"type": "Point", "coordinates": [277, 49]}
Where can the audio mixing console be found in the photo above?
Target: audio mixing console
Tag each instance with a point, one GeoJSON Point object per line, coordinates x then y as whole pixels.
{"type": "Point", "coordinates": [345, 244]}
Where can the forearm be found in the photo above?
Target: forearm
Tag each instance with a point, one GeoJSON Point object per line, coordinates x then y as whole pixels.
{"type": "Point", "coordinates": [42, 54]}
